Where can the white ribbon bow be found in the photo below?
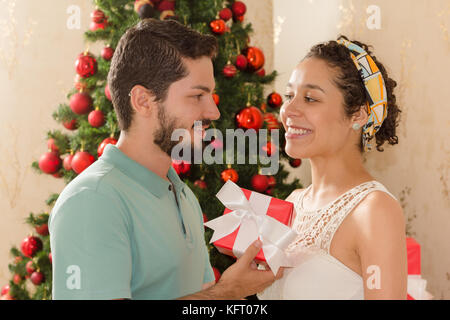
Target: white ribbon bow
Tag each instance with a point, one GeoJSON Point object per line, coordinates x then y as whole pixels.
{"type": "Point", "coordinates": [251, 216]}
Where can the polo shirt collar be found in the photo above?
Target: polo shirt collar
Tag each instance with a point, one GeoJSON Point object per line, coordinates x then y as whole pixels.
{"type": "Point", "coordinates": [148, 179]}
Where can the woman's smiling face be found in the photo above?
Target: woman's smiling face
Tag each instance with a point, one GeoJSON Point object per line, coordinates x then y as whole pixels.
{"type": "Point", "coordinates": [313, 113]}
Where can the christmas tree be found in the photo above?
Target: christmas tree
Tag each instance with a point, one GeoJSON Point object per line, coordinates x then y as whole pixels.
{"type": "Point", "coordinates": [90, 123]}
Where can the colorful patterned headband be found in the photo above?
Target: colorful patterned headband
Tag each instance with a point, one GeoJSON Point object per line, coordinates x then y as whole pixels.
{"type": "Point", "coordinates": [375, 88]}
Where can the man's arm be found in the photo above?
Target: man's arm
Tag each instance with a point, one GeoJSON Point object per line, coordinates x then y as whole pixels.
{"type": "Point", "coordinates": [240, 280]}
{"type": "Point", "coordinates": [90, 248]}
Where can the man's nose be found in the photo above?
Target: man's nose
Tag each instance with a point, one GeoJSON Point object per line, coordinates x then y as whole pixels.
{"type": "Point", "coordinates": [213, 112]}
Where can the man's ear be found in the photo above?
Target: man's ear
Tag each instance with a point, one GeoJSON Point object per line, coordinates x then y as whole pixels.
{"type": "Point", "coordinates": [360, 116]}
{"type": "Point", "coordinates": [142, 100]}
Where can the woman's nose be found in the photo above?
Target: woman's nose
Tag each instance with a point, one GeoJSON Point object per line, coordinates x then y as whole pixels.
{"type": "Point", "coordinates": [291, 108]}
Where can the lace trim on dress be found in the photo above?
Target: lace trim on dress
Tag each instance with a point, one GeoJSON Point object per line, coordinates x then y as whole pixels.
{"type": "Point", "coordinates": [316, 228]}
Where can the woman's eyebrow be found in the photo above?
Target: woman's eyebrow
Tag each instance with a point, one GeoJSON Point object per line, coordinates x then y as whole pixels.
{"type": "Point", "coordinates": [314, 86]}
{"type": "Point", "coordinates": [308, 85]}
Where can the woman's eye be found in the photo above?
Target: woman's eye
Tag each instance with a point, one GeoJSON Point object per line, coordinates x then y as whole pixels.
{"type": "Point", "coordinates": [309, 99]}
{"type": "Point", "coordinates": [288, 97]}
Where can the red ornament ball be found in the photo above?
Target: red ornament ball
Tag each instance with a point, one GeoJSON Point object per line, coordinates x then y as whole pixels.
{"type": "Point", "coordinates": [86, 65]}
{"type": "Point", "coordinates": [225, 14]}
{"type": "Point", "coordinates": [98, 16]}
{"type": "Point", "coordinates": [79, 84]}
{"type": "Point", "coordinates": [271, 181]}
{"type": "Point", "coordinates": [229, 174]}
{"type": "Point", "coordinates": [238, 18]}
{"type": "Point", "coordinates": [255, 58]}
{"type": "Point", "coordinates": [216, 98]}
{"type": "Point", "coordinates": [250, 118]}
{"type": "Point", "coordinates": [67, 162]}
{"type": "Point", "coordinates": [81, 161]}
{"type": "Point", "coordinates": [205, 218]}
{"type": "Point", "coordinates": [71, 124]}
{"type": "Point", "coordinates": [167, 15]}
{"type": "Point", "coordinates": [260, 183]}
{"type": "Point", "coordinates": [218, 26]}
{"type": "Point", "coordinates": [98, 26]}
{"type": "Point", "coordinates": [50, 162]}
{"type": "Point", "coordinates": [201, 184]}
{"type": "Point", "coordinates": [295, 162]}
{"type": "Point", "coordinates": [261, 72]}
{"type": "Point", "coordinates": [181, 167]}
{"type": "Point", "coordinates": [108, 93]}
{"type": "Point", "coordinates": [96, 118]}
{"type": "Point", "coordinates": [274, 100]}
{"type": "Point", "coordinates": [42, 229]}
{"type": "Point", "coordinates": [241, 62]}
{"type": "Point", "coordinates": [30, 246]}
{"type": "Point", "coordinates": [107, 53]}
{"type": "Point", "coordinates": [104, 143]}
{"type": "Point", "coordinates": [17, 278]}
{"type": "Point", "coordinates": [5, 290]}
{"type": "Point", "coordinates": [272, 121]}
{"type": "Point", "coordinates": [239, 8]}
{"type": "Point", "coordinates": [52, 146]}
{"type": "Point", "coordinates": [30, 267]}
{"type": "Point", "coordinates": [37, 278]}
{"type": "Point", "coordinates": [166, 5]}
{"type": "Point", "coordinates": [80, 103]}
{"type": "Point", "coordinates": [229, 71]}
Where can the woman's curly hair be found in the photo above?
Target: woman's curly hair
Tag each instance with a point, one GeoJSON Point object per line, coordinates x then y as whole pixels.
{"type": "Point", "coordinates": [351, 85]}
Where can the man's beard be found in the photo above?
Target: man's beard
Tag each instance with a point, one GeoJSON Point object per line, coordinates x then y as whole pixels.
{"type": "Point", "coordinates": [167, 125]}
{"type": "Point", "coordinates": [163, 135]}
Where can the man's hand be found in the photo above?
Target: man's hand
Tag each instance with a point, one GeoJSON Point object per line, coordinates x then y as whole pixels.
{"type": "Point", "coordinates": [243, 279]}
{"type": "Point", "coordinates": [240, 280]}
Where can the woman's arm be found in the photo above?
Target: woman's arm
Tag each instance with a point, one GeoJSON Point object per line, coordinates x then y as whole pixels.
{"type": "Point", "coordinates": [381, 245]}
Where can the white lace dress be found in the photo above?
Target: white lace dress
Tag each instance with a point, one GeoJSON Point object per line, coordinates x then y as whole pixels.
{"type": "Point", "coordinates": [318, 275]}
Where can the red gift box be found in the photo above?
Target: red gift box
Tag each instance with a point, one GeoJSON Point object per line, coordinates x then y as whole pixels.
{"type": "Point", "coordinates": [278, 209]}
{"type": "Point", "coordinates": [413, 251]}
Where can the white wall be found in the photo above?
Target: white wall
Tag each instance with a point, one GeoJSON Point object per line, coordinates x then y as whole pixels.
{"type": "Point", "coordinates": [413, 43]}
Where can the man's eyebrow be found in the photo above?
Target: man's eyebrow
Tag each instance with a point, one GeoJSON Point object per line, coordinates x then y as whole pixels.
{"type": "Point", "coordinates": [200, 87]}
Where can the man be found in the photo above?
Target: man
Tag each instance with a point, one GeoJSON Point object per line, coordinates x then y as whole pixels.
{"type": "Point", "coordinates": [128, 227]}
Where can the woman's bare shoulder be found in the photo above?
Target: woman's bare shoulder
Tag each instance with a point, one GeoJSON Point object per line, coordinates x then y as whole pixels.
{"type": "Point", "coordinates": [379, 211]}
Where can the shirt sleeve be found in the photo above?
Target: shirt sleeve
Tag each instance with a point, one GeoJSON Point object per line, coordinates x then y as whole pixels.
{"type": "Point", "coordinates": [91, 251]}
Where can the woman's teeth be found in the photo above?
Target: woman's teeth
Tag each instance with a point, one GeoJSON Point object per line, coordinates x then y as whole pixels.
{"type": "Point", "coordinates": [298, 131]}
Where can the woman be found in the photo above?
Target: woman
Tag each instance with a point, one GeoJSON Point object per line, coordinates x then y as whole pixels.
{"type": "Point", "coordinates": [351, 231]}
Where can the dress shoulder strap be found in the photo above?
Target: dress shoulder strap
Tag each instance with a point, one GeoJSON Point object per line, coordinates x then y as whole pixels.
{"type": "Point", "coordinates": [341, 207]}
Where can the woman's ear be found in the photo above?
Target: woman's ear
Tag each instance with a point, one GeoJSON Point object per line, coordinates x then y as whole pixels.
{"type": "Point", "coordinates": [360, 117]}
{"type": "Point", "coordinates": [142, 100]}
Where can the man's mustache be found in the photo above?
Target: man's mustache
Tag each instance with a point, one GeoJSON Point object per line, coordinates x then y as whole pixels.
{"type": "Point", "coordinates": [205, 122]}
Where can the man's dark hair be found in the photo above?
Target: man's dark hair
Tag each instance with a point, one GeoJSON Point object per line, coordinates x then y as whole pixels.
{"type": "Point", "coordinates": [150, 54]}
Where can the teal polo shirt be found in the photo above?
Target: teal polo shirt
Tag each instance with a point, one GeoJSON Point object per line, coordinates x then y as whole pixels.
{"type": "Point", "coordinates": [119, 231]}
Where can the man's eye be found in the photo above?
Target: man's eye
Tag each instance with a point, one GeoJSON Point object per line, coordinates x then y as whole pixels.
{"type": "Point", "coordinates": [198, 96]}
